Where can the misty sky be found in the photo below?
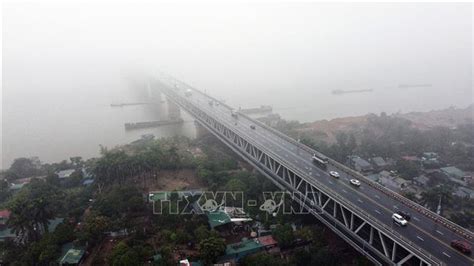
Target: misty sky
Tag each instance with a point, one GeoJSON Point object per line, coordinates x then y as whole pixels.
{"type": "Point", "coordinates": [59, 58]}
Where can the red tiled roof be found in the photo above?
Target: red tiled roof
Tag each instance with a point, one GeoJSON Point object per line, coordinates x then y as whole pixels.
{"type": "Point", "coordinates": [267, 240]}
{"type": "Point", "coordinates": [5, 213]}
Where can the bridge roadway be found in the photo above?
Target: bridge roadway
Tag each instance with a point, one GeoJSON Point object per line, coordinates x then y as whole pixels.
{"type": "Point", "coordinates": [421, 230]}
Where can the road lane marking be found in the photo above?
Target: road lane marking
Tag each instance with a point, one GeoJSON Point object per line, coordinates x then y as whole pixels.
{"type": "Point", "coordinates": [415, 226]}
{"type": "Point", "coordinates": [420, 238]}
{"type": "Point", "coordinates": [444, 253]}
{"type": "Point", "coordinates": [383, 207]}
{"type": "Point", "coordinates": [439, 232]}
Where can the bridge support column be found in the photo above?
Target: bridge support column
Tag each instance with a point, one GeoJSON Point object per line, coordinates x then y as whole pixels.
{"type": "Point", "coordinates": [201, 131]}
{"type": "Point", "coordinates": [174, 111]}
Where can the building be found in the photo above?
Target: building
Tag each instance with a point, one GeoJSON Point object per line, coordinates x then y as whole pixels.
{"type": "Point", "coordinates": [65, 173]}
{"type": "Point", "coordinates": [429, 155]}
{"type": "Point", "coordinates": [421, 180]}
{"type": "Point", "coordinates": [453, 172]}
{"type": "Point", "coordinates": [393, 182]}
{"type": "Point", "coordinates": [241, 249]}
{"type": "Point", "coordinates": [227, 215]}
{"type": "Point", "coordinates": [4, 215]}
{"type": "Point", "coordinates": [5, 232]}
{"type": "Point", "coordinates": [16, 187]}
{"type": "Point", "coordinates": [411, 159]}
{"type": "Point", "coordinates": [379, 163]}
{"type": "Point", "coordinates": [73, 256]}
{"type": "Point", "coordinates": [464, 192]}
{"type": "Point", "coordinates": [360, 164]}
{"type": "Point", "coordinates": [268, 242]}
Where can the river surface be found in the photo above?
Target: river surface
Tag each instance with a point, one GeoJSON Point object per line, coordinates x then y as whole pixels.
{"type": "Point", "coordinates": [57, 126]}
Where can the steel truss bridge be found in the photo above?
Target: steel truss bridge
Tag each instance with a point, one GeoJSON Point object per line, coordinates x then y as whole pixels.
{"type": "Point", "coordinates": [359, 215]}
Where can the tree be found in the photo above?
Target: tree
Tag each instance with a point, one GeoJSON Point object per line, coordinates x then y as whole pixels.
{"type": "Point", "coordinates": [407, 169]}
{"type": "Point", "coordinates": [261, 259]}
{"type": "Point", "coordinates": [32, 208]}
{"type": "Point", "coordinates": [201, 233]}
{"type": "Point", "coordinates": [284, 235]}
{"type": "Point", "coordinates": [211, 248]}
{"type": "Point", "coordinates": [95, 226]}
{"type": "Point", "coordinates": [24, 167]}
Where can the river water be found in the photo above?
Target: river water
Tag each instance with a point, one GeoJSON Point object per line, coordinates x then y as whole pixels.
{"type": "Point", "coordinates": [57, 126]}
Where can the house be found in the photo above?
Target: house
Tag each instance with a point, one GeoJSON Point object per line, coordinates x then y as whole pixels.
{"type": "Point", "coordinates": [392, 182]}
{"type": "Point", "coordinates": [360, 164]}
{"type": "Point", "coordinates": [65, 173]}
{"type": "Point", "coordinates": [5, 232]}
{"type": "Point", "coordinates": [16, 187]}
{"type": "Point", "coordinates": [453, 172]}
{"type": "Point", "coordinates": [241, 249]}
{"type": "Point", "coordinates": [4, 215]}
{"type": "Point", "coordinates": [379, 163]}
{"type": "Point", "coordinates": [73, 256]}
{"type": "Point", "coordinates": [429, 155]}
{"type": "Point", "coordinates": [411, 158]}
{"type": "Point", "coordinates": [87, 182]}
{"type": "Point", "coordinates": [268, 242]}
{"type": "Point", "coordinates": [227, 215]}
{"type": "Point", "coordinates": [464, 192]}
{"type": "Point", "coordinates": [421, 180]}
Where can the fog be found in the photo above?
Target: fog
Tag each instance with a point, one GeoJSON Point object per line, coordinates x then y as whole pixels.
{"type": "Point", "coordinates": [64, 64]}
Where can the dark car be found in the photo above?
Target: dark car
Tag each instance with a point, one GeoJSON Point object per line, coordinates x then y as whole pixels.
{"type": "Point", "coordinates": [462, 246]}
{"type": "Point", "coordinates": [252, 126]}
{"type": "Point", "coordinates": [404, 214]}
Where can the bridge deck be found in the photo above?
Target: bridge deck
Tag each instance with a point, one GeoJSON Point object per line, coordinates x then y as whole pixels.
{"type": "Point", "coordinates": [422, 230]}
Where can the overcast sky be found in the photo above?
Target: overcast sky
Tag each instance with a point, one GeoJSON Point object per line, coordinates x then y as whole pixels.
{"type": "Point", "coordinates": [60, 52]}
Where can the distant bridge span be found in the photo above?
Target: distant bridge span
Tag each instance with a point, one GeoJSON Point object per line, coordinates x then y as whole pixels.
{"type": "Point", "coordinates": [359, 215]}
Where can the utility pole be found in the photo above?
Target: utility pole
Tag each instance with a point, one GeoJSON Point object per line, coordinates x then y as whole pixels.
{"type": "Point", "coordinates": [438, 210]}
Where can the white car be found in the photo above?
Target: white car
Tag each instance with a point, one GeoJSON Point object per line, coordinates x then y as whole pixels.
{"type": "Point", "coordinates": [397, 218]}
{"type": "Point", "coordinates": [334, 174]}
{"type": "Point", "coordinates": [355, 182]}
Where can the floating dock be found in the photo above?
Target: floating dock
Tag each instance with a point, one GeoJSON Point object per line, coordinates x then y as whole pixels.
{"type": "Point", "coordinates": [138, 125]}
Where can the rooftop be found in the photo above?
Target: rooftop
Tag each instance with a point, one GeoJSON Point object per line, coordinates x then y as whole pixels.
{"type": "Point", "coordinates": [422, 179]}
{"type": "Point", "coordinates": [267, 240]}
{"type": "Point", "coordinates": [72, 256]}
{"type": "Point", "coordinates": [17, 186]}
{"type": "Point", "coordinates": [218, 218]}
{"type": "Point", "coordinates": [379, 161]}
{"type": "Point", "coordinates": [243, 247]}
{"type": "Point", "coordinates": [4, 214]}
{"type": "Point", "coordinates": [65, 173]}
{"type": "Point", "coordinates": [361, 162]}
{"type": "Point", "coordinates": [453, 171]}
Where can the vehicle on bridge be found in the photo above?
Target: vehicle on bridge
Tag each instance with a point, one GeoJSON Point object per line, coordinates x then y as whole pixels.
{"type": "Point", "coordinates": [320, 161]}
{"type": "Point", "coordinates": [252, 127]}
{"type": "Point", "coordinates": [398, 219]}
{"type": "Point", "coordinates": [233, 113]}
{"type": "Point", "coordinates": [334, 174]}
{"type": "Point", "coordinates": [188, 92]}
{"type": "Point", "coordinates": [355, 182]}
{"type": "Point", "coordinates": [404, 214]}
{"type": "Point", "coordinates": [462, 246]}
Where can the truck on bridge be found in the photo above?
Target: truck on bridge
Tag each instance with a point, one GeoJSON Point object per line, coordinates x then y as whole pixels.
{"type": "Point", "coordinates": [320, 160]}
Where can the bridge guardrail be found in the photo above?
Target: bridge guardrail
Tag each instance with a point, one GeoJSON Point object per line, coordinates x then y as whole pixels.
{"type": "Point", "coordinates": [422, 252]}
{"type": "Point", "coordinates": [415, 206]}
